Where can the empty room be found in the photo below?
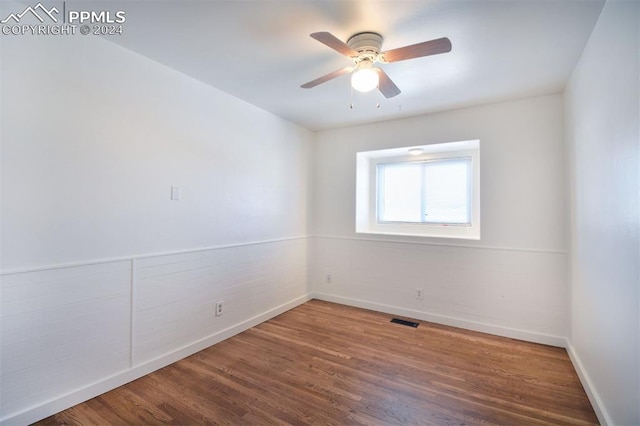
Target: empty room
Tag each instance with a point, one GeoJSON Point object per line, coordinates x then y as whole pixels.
{"type": "Point", "coordinates": [254, 212]}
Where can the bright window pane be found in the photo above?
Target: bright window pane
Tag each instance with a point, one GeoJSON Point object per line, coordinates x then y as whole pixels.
{"type": "Point", "coordinates": [399, 196]}
{"type": "Point", "coordinates": [447, 191]}
{"type": "Point", "coordinates": [437, 191]}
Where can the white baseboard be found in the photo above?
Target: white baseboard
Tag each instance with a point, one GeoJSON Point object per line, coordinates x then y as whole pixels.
{"type": "Point", "coordinates": [446, 320]}
{"type": "Point", "coordinates": [63, 402]}
{"type": "Point", "coordinates": [589, 388]}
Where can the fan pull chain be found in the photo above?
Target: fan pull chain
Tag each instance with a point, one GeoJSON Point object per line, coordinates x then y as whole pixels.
{"type": "Point", "coordinates": [351, 100]}
{"type": "Point", "coordinates": [351, 105]}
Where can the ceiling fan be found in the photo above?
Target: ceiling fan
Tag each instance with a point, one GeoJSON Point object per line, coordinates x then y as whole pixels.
{"type": "Point", "coordinates": [364, 50]}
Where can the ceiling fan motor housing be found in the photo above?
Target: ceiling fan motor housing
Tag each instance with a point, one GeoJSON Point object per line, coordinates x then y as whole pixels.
{"type": "Point", "coordinates": [367, 44]}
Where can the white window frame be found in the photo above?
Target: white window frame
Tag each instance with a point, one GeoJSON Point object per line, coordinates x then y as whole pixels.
{"type": "Point", "coordinates": [380, 196]}
{"type": "Point", "coordinates": [367, 194]}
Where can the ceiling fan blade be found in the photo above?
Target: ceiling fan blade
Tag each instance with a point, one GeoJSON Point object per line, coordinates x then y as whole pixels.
{"type": "Point", "coordinates": [426, 48]}
{"type": "Point", "coordinates": [325, 78]}
{"type": "Point", "coordinates": [385, 85]}
{"type": "Point", "coordinates": [335, 43]}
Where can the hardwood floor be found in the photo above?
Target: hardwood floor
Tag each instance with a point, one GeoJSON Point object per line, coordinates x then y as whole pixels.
{"type": "Point", "coordinates": [323, 363]}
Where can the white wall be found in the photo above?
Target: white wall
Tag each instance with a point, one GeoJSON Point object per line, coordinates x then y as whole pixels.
{"type": "Point", "coordinates": [511, 282]}
{"type": "Point", "coordinates": [604, 157]}
{"type": "Point", "coordinates": [93, 137]}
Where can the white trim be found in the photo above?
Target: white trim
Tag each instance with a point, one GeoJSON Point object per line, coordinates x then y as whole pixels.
{"type": "Point", "coordinates": [143, 256]}
{"type": "Point", "coordinates": [132, 313]}
{"type": "Point", "coordinates": [68, 400]}
{"type": "Point", "coordinates": [430, 243]}
{"type": "Point", "coordinates": [497, 330]}
{"type": "Point", "coordinates": [596, 402]}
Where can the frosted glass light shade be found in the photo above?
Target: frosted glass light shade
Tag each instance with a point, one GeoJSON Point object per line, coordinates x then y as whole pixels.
{"type": "Point", "coordinates": [364, 79]}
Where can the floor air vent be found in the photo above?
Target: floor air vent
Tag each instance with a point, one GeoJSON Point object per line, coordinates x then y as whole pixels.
{"type": "Point", "coordinates": [407, 323]}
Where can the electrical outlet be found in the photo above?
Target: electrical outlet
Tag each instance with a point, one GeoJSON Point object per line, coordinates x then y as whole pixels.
{"type": "Point", "coordinates": [419, 294]}
{"type": "Point", "coordinates": [328, 279]}
{"type": "Point", "coordinates": [219, 308]}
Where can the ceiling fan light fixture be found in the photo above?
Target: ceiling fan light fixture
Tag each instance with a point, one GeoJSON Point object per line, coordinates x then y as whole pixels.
{"type": "Point", "coordinates": [365, 79]}
{"type": "Point", "coordinates": [364, 50]}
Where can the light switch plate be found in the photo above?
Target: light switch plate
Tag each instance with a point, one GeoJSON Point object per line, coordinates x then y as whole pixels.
{"type": "Point", "coordinates": [175, 193]}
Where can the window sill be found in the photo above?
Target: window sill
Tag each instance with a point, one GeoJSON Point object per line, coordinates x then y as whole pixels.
{"type": "Point", "coordinates": [449, 232]}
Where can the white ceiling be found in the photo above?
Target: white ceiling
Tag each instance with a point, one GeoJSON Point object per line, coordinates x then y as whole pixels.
{"type": "Point", "coordinates": [261, 52]}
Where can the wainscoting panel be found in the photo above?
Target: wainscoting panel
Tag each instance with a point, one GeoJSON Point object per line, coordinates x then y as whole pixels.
{"type": "Point", "coordinates": [513, 292]}
{"type": "Point", "coordinates": [62, 329]}
{"type": "Point", "coordinates": [176, 295]}
{"type": "Point", "coordinates": [72, 332]}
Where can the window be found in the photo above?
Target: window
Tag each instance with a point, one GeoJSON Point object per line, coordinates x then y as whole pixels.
{"type": "Point", "coordinates": [435, 193]}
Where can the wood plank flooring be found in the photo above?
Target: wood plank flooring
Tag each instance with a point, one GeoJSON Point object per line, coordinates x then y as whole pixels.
{"type": "Point", "coordinates": [328, 364]}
